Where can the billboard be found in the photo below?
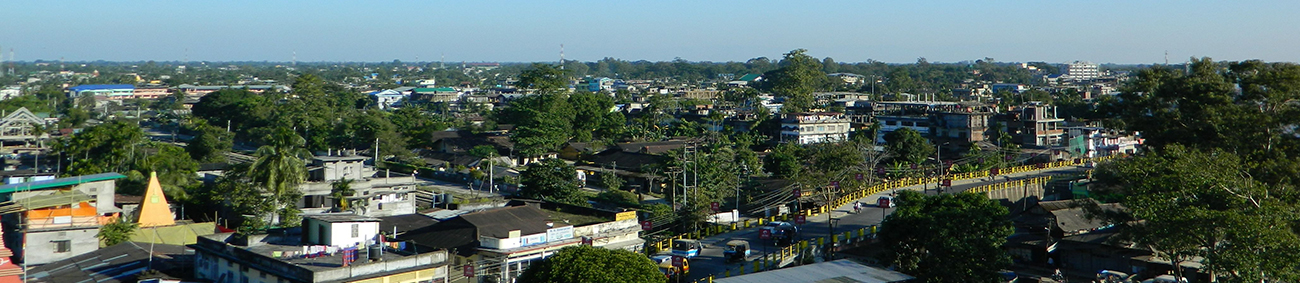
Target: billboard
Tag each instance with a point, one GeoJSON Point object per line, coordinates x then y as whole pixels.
{"type": "Point", "coordinates": [561, 233]}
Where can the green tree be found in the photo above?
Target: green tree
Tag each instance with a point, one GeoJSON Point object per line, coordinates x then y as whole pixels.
{"type": "Point", "coordinates": [117, 232]}
{"type": "Point", "coordinates": [947, 238]}
{"type": "Point", "coordinates": [544, 78]}
{"type": "Point", "coordinates": [1193, 203]}
{"type": "Point", "coordinates": [210, 143]}
{"type": "Point", "coordinates": [543, 123]}
{"type": "Point", "coordinates": [363, 129]}
{"type": "Point", "coordinates": [278, 170]}
{"type": "Point", "coordinates": [796, 80]}
{"type": "Point", "coordinates": [238, 109]}
{"type": "Point", "coordinates": [611, 181]}
{"type": "Point", "coordinates": [594, 117]}
{"type": "Point", "coordinates": [483, 151]}
{"type": "Point", "coordinates": [175, 169]}
{"type": "Point", "coordinates": [785, 160]}
{"type": "Point", "coordinates": [618, 197]}
{"type": "Point", "coordinates": [108, 147]}
{"type": "Point", "coordinates": [590, 264]}
{"type": "Point", "coordinates": [552, 180]}
{"type": "Point", "coordinates": [908, 145]}
{"type": "Point", "coordinates": [340, 191]}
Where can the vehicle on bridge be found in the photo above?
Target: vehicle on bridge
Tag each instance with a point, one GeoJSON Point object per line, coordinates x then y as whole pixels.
{"type": "Point", "coordinates": [736, 250]}
{"type": "Point", "coordinates": [886, 202]}
{"type": "Point", "coordinates": [665, 263]}
{"type": "Point", "coordinates": [783, 233]}
{"type": "Point", "coordinates": [686, 248]}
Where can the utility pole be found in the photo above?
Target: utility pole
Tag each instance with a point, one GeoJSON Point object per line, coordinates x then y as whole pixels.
{"type": "Point", "coordinates": [938, 168]}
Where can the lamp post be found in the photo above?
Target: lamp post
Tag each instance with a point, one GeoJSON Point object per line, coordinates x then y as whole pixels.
{"type": "Point", "coordinates": [744, 171]}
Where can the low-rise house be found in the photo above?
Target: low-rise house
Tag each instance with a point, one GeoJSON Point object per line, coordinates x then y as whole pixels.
{"type": "Point", "coordinates": [124, 263]}
{"type": "Point", "coordinates": [437, 94]}
{"type": "Point", "coordinates": [849, 78]}
{"type": "Point", "coordinates": [844, 270]}
{"type": "Point", "coordinates": [201, 90]}
{"type": "Point", "coordinates": [388, 98]}
{"type": "Point", "coordinates": [58, 219]}
{"type": "Point", "coordinates": [501, 243]}
{"type": "Point", "coordinates": [328, 248]}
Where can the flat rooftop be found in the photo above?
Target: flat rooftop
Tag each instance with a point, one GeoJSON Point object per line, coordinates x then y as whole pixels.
{"type": "Point", "coordinates": [289, 249]}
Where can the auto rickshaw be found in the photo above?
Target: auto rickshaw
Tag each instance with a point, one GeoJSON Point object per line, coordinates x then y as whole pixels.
{"type": "Point", "coordinates": [686, 248]}
{"type": "Point", "coordinates": [669, 270]}
{"type": "Point", "coordinates": [736, 250]}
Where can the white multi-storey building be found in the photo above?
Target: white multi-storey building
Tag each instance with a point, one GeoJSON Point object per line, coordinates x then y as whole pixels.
{"type": "Point", "coordinates": [1081, 70]}
{"type": "Point", "coordinates": [815, 127]}
{"type": "Point", "coordinates": [1093, 142]}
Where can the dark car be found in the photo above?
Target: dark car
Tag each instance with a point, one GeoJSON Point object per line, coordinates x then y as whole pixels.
{"type": "Point", "coordinates": [783, 233]}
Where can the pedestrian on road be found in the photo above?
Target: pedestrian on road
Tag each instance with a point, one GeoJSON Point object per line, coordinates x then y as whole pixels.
{"type": "Point", "coordinates": [857, 206]}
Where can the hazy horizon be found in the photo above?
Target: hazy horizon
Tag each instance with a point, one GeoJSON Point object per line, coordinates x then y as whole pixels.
{"type": "Point", "coordinates": [1104, 32]}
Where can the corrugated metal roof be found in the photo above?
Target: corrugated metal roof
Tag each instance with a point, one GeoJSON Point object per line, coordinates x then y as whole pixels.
{"type": "Point", "coordinates": [118, 263]}
{"type": "Point", "coordinates": [99, 87]}
{"type": "Point", "coordinates": [56, 199]}
{"type": "Point", "coordinates": [60, 182]}
{"type": "Point", "coordinates": [840, 271]}
{"type": "Point", "coordinates": [437, 89]}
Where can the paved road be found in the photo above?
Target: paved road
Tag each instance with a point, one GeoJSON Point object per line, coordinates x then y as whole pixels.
{"type": "Point", "coordinates": [710, 260]}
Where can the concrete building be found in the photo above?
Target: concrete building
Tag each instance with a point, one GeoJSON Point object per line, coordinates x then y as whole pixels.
{"type": "Point", "coordinates": [437, 94]}
{"type": "Point", "coordinates": [378, 193]}
{"type": "Point", "coordinates": [1082, 71]}
{"type": "Point", "coordinates": [1036, 125]}
{"type": "Point", "coordinates": [48, 221]}
{"type": "Point", "coordinates": [501, 243]}
{"type": "Point", "coordinates": [10, 92]}
{"type": "Point", "coordinates": [599, 84]}
{"type": "Point", "coordinates": [201, 90]}
{"type": "Point", "coordinates": [962, 125]}
{"type": "Point", "coordinates": [915, 115]}
{"type": "Point", "coordinates": [107, 91]}
{"type": "Point", "coordinates": [815, 127]}
{"type": "Point", "coordinates": [329, 248]}
{"type": "Point", "coordinates": [1092, 142]}
{"type": "Point", "coordinates": [386, 99]}
{"type": "Point", "coordinates": [849, 78]}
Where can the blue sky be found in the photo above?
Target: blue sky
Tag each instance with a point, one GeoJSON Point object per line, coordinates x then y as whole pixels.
{"type": "Point", "coordinates": [513, 31]}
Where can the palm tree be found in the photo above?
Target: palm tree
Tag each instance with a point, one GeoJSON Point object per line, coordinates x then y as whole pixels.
{"type": "Point", "coordinates": [340, 190]}
{"type": "Point", "coordinates": [279, 168]}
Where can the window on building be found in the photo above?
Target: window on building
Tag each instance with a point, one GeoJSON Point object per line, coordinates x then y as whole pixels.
{"type": "Point", "coordinates": [356, 230]}
{"type": "Point", "coordinates": [62, 246]}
